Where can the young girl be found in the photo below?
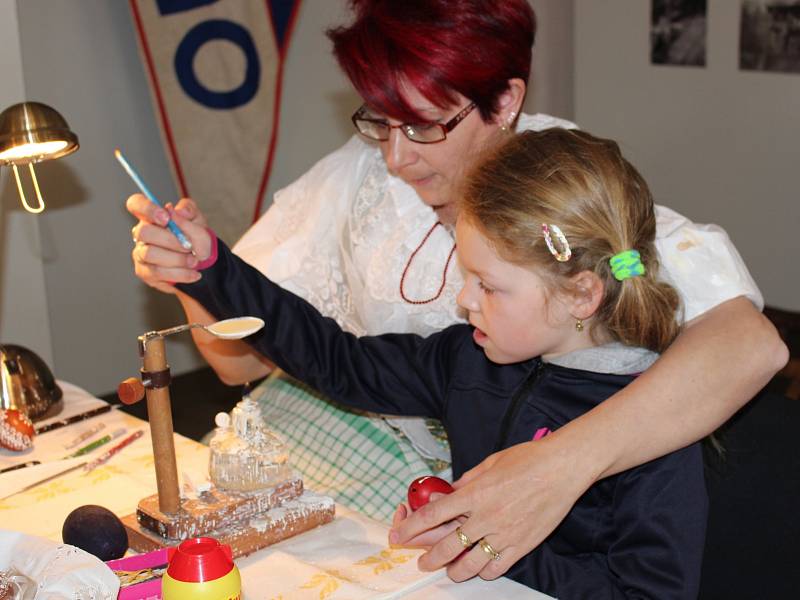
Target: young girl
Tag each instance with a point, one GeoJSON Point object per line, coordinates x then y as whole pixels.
{"type": "Point", "coordinates": [555, 239]}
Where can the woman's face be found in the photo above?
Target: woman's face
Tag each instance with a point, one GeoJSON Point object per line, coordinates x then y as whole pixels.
{"type": "Point", "coordinates": [434, 170]}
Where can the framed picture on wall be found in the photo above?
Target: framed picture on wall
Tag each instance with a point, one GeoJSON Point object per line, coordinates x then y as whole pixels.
{"type": "Point", "coordinates": [769, 37]}
{"type": "Point", "coordinates": [678, 32]}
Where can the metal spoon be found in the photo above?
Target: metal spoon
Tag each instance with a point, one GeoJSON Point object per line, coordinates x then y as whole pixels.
{"type": "Point", "coordinates": [228, 329]}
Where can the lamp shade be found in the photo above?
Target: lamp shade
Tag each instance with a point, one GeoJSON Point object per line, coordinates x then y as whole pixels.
{"type": "Point", "coordinates": [31, 132]}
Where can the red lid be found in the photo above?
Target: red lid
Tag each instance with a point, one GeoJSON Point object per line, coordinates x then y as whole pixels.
{"type": "Point", "coordinates": [200, 559]}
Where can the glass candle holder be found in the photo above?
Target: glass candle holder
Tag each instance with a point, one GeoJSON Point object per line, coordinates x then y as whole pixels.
{"type": "Point", "coordinates": [245, 456]}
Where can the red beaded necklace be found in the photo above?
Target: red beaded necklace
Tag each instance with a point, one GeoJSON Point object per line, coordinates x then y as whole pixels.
{"type": "Point", "coordinates": [408, 265]}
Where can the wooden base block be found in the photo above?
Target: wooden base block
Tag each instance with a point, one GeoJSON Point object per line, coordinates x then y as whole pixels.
{"type": "Point", "coordinates": [212, 509]}
{"type": "Point", "coordinates": [251, 533]}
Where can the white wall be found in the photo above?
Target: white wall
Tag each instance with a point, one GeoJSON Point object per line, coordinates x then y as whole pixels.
{"type": "Point", "coordinates": [24, 317]}
{"type": "Point", "coordinates": [80, 56]}
{"type": "Point", "coordinates": [716, 143]}
{"type": "Point", "coordinates": [552, 73]}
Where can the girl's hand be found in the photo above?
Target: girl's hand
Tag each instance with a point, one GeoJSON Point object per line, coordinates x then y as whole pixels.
{"type": "Point", "coordinates": [513, 500]}
{"type": "Point", "coordinates": [158, 258]}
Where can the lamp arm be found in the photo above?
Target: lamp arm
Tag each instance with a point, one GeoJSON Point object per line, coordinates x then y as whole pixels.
{"type": "Point", "coordinates": [28, 207]}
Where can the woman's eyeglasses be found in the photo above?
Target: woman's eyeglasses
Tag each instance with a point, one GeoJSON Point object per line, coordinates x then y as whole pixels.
{"type": "Point", "coordinates": [422, 133]}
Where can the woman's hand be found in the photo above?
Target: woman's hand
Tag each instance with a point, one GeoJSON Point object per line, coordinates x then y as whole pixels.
{"type": "Point", "coordinates": [158, 258]}
{"type": "Point", "coordinates": [426, 538]}
{"type": "Point", "coordinates": [513, 500]}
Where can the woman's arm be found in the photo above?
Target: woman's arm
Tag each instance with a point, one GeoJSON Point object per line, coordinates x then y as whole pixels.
{"type": "Point", "coordinates": [158, 258]}
{"type": "Point", "coordinates": [719, 362]}
{"type": "Point", "coordinates": [518, 496]}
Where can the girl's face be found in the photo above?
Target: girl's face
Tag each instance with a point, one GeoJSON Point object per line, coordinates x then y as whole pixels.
{"type": "Point", "coordinates": [434, 170]}
{"type": "Point", "coordinates": [508, 305]}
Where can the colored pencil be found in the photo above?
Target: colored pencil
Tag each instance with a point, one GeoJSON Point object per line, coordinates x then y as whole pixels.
{"type": "Point", "coordinates": [112, 451]}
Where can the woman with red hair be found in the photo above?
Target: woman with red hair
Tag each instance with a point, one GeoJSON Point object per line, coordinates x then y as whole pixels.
{"type": "Point", "coordinates": [365, 236]}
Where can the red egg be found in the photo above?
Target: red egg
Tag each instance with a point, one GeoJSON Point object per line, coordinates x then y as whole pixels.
{"type": "Point", "coordinates": [420, 490]}
{"type": "Point", "coordinates": [16, 430]}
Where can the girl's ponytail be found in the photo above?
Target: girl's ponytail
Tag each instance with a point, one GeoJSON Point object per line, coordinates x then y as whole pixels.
{"type": "Point", "coordinates": [641, 310]}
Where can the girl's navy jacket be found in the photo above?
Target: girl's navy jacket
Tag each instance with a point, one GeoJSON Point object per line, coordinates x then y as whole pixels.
{"type": "Point", "coordinates": [638, 534]}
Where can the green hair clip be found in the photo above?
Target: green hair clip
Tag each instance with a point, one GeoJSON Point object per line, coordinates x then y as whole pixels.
{"type": "Point", "coordinates": [626, 264]}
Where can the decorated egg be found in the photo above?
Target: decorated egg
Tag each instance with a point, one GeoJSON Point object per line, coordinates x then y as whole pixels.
{"type": "Point", "coordinates": [16, 430]}
{"type": "Point", "coordinates": [420, 490]}
{"type": "Point", "coordinates": [96, 530]}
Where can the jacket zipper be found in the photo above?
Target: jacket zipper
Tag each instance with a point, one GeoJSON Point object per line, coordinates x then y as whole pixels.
{"type": "Point", "coordinates": [516, 402]}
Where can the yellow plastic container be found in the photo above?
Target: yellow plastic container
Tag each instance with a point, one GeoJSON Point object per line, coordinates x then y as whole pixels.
{"type": "Point", "coordinates": [228, 587]}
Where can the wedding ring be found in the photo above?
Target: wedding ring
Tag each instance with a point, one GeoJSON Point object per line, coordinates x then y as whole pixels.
{"type": "Point", "coordinates": [462, 538]}
{"type": "Point", "coordinates": [487, 547]}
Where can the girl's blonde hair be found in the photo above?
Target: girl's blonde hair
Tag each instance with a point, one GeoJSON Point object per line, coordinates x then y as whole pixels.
{"type": "Point", "coordinates": [583, 185]}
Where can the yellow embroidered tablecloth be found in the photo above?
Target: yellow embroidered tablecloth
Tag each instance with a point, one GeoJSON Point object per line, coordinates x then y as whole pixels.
{"type": "Point", "coordinates": [347, 559]}
{"type": "Point", "coordinates": [118, 485]}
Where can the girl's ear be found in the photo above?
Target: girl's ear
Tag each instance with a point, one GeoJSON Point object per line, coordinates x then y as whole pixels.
{"type": "Point", "coordinates": [510, 102]}
{"type": "Point", "coordinates": [587, 294]}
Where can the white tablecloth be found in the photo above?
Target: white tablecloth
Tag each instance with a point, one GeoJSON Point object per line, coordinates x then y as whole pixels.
{"type": "Point", "coordinates": [348, 558]}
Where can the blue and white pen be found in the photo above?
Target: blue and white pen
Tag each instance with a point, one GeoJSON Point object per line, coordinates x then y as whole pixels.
{"type": "Point", "coordinates": [144, 189]}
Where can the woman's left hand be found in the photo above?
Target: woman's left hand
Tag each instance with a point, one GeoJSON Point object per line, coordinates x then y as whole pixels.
{"type": "Point", "coordinates": [513, 500]}
{"type": "Point", "coordinates": [426, 538]}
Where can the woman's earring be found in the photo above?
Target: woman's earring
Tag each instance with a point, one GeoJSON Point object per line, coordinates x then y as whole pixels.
{"type": "Point", "coordinates": [579, 325]}
{"type": "Point", "coordinates": [509, 122]}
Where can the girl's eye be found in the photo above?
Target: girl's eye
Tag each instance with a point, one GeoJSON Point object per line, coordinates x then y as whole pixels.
{"type": "Point", "coordinates": [486, 289]}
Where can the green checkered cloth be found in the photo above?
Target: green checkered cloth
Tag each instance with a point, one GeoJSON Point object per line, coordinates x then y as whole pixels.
{"type": "Point", "coordinates": [354, 457]}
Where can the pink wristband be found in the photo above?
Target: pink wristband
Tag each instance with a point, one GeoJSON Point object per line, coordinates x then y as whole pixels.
{"type": "Point", "coordinates": [212, 258]}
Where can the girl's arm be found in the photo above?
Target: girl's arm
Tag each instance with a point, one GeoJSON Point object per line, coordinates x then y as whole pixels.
{"type": "Point", "coordinates": [518, 496]}
{"type": "Point", "coordinates": [402, 374]}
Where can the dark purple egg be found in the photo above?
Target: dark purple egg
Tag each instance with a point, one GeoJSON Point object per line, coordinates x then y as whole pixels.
{"type": "Point", "coordinates": [96, 530]}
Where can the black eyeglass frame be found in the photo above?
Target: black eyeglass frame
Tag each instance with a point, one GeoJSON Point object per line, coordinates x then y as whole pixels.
{"type": "Point", "coordinates": [405, 127]}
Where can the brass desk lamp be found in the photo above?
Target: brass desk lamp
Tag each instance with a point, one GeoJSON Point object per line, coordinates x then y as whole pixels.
{"type": "Point", "coordinates": [32, 132]}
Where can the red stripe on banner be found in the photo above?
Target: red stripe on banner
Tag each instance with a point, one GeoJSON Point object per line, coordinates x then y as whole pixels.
{"type": "Point", "coordinates": [159, 100]}
{"type": "Point", "coordinates": [276, 110]}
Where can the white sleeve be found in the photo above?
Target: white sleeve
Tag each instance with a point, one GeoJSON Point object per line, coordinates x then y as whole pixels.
{"type": "Point", "coordinates": [702, 263]}
{"type": "Point", "coordinates": [304, 215]}
{"type": "Point", "coordinates": [297, 242]}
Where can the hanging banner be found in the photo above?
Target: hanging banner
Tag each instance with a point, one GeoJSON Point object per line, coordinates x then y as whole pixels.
{"type": "Point", "coordinates": [215, 70]}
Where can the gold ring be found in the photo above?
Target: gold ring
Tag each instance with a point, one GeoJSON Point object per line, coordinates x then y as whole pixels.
{"type": "Point", "coordinates": [462, 538]}
{"type": "Point", "coordinates": [487, 547]}
{"type": "Point", "coordinates": [136, 254]}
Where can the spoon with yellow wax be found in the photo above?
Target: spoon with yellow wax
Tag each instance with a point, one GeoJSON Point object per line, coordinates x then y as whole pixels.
{"type": "Point", "coordinates": [228, 329]}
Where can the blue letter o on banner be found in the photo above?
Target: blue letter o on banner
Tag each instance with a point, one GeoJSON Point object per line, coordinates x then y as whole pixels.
{"type": "Point", "coordinates": [206, 31]}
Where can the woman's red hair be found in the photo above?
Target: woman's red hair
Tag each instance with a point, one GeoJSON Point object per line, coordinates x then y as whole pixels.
{"type": "Point", "coordinates": [472, 47]}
